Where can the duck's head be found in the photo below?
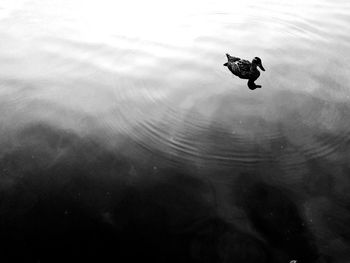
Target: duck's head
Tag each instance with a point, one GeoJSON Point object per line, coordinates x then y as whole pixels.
{"type": "Point", "coordinates": [257, 61]}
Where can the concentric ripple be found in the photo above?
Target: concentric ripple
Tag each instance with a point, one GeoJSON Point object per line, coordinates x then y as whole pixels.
{"type": "Point", "coordinates": [157, 77]}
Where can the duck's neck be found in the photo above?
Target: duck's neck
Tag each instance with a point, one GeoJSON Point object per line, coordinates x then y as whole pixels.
{"type": "Point", "coordinates": [253, 66]}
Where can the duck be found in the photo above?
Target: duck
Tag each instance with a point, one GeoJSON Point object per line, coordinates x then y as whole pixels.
{"type": "Point", "coordinates": [245, 69]}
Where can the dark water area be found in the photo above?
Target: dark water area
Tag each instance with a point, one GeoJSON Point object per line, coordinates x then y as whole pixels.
{"type": "Point", "coordinates": [123, 138]}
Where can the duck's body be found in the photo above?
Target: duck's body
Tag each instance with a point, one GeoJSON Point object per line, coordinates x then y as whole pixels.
{"type": "Point", "coordinates": [245, 69]}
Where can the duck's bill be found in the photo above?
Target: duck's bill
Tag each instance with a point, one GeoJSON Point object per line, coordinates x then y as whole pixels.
{"type": "Point", "coordinates": [262, 68]}
{"type": "Point", "coordinates": [225, 65]}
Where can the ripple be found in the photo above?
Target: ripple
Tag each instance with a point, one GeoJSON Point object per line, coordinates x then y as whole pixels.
{"type": "Point", "coordinates": [151, 87]}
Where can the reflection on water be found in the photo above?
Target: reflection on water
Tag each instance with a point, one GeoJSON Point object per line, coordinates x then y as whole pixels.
{"type": "Point", "coordinates": [121, 131]}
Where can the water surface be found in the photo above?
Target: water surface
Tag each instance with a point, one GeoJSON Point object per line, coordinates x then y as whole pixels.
{"type": "Point", "coordinates": [103, 101]}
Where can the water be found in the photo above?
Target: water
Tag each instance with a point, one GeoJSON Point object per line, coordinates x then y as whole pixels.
{"type": "Point", "coordinates": [103, 101]}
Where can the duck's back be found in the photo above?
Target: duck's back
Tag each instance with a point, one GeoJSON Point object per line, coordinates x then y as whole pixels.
{"type": "Point", "coordinates": [244, 65]}
{"type": "Point", "coordinates": [239, 67]}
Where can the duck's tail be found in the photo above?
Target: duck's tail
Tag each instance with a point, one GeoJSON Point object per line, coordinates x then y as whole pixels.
{"type": "Point", "coordinates": [231, 59]}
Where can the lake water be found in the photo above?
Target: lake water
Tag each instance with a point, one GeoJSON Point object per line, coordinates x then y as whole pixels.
{"type": "Point", "coordinates": [122, 134]}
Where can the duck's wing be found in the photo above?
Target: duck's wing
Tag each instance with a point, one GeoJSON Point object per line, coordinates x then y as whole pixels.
{"type": "Point", "coordinates": [231, 58]}
{"type": "Point", "coordinates": [244, 65]}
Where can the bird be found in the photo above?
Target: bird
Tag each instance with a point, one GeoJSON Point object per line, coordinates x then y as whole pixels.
{"type": "Point", "coordinates": [245, 69]}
